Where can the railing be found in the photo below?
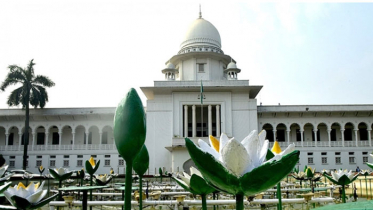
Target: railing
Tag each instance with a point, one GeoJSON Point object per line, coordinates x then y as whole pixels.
{"type": "Point", "coordinates": [59, 147]}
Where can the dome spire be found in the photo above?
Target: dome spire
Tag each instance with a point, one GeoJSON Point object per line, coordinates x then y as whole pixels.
{"type": "Point", "coordinates": [200, 13]}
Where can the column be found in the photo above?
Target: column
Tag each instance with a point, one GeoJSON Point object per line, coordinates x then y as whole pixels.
{"type": "Point", "coordinates": [194, 120]}
{"type": "Point", "coordinates": [288, 135]}
{"type": "Point", "coordinates": [20, 140]}
{"type": "Point", "coordinates": [330, 143]}
{"type": "Point", "coordinates": [343, 137]}
{"type": "Point", "coordinates": [369, 137]}
{"type": "Point", "coordinates": [315, 133]}
{"type": "Point", "coordinates": [59, 140]}
{"type": "Point", "coordinates": [72, 146]}
{"type": "Point", "coordinates": [6, 140]}
{"type": "Point", "coordinates": [217, 121]}
{"type": "Point", "coordinates": [86, 140]}
{"type": "Point", "coordinates": [46, 140]}
{"type": "Point", "coordinates": [185, 121]}
{"type": "Point", "coordinates": [356, 137]}
{"type": "Point", "coordinates": [274, 135]}
{"type": "Point", "coordinates": [301, 137]}
{"type": "Point", "coordinates": [33, 140]}
{"type": "Point", "coordinates": [100, 133]}
{"type": "Point", "coordinates": [210, 119]}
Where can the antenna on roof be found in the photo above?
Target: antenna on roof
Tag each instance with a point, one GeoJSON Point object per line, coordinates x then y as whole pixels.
{"type": "Point", "coordinates": [200, 13]}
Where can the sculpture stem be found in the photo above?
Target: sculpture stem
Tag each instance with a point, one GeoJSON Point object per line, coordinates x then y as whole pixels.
{"type": "Point", "coordinates": [128, 186]}
{"type": "Point", "coordinates": [343, 194]}
{"type": "Point", "coordinates": [90, 192]}
{"type": "Point", "coordinates": [279, 205]}
{"type": "Point", "coordinates": [140, 190]}
{"type": "Point", "coordinates": [366, 187]}
{"type": "Point", "coordinates": [239, 202]}
{"type": "Point", "coordinates": [204, 205]}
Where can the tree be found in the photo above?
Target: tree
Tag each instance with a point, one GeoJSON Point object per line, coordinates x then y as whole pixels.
{"type": "Point", "coordinates": [32, 91]}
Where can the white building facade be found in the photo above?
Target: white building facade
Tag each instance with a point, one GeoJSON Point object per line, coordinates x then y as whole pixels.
{"type": "Point", "coordinates": [328, 136]}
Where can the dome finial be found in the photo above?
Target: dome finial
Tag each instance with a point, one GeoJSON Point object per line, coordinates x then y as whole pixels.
{"type": "Point", "coordinates": [200, 13]}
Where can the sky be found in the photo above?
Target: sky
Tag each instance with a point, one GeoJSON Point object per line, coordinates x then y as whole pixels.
{"type": "Point", "coordinates": [301, 53]}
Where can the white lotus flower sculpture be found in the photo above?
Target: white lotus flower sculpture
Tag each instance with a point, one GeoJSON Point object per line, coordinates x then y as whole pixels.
{"type": "Point", "coordinates": [342, 177]}
{"type": "Point", "coordinates": [2, 173]}
{"type": "Point", "coordinates": [102, 179]}
{"type": "Point", "coordinates": [29, 197]}
{"type": "Point", "coordinates": [241, 168]}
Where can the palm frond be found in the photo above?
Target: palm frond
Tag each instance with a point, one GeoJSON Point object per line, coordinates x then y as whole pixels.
{"type": "Point", "coordinates": [15, 97]}
{"type": "Point", "coordinates": [30, 70]}
{"type": "Point", "coordinates": [12, 78]}
{"type": "Point", "coordinates": [43, 80]}
{"type": "Point", "coordinates": [43, 95]}
{"type": "Point", "coordinates": [34, 97]}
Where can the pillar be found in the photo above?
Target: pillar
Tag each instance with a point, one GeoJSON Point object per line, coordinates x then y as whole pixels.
{"type": "Point", "coordinates": [343, 137]}
{"type": "Point", "coordinates": [6, 140]}
{"type": "Point", "coordinates": [288, 135]}
{"type": "Point", "coordinates": [100, 133]}
{"type": "Point", "coordinates": [210, 119]}
{"type": "Point", "coordinates": [33, 140]}
{"type": "Point", "coordinates": [301, 137]}
{"type": "Point", "coordinates": [329, 139]}
{"type": "Point", "coordinates": [217, 121]}
{"type": "Point", "coordinates": [86, 140]}
{"type": "Point", "coordinates": [274, 135]}
{"type": "Point", "coordinates": [46, 140]}
{"type": "Point", "coordinates": [369, 137]}
{"type": "Point", "coordinates": [20, 140]}
{"type": "Point", "coordinates": [357, 144]}
{"type": "Point", "coordinates": [194, 120]}
{"type": "Point", "coordinates": [315, 133]}
{"type": "Point", "coordinates": [72, 146]}
{"type": "Point", "coordinates": [59, 140]}
{"type": "Point", "coordinates": [185, 121]}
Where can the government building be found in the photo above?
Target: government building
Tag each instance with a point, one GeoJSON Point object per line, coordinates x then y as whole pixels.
{"type": "Point", "coordinates": [328, 136]}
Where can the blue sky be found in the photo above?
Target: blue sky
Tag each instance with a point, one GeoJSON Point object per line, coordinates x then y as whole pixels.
{"type": "Point", "coordinates": [302, 53]}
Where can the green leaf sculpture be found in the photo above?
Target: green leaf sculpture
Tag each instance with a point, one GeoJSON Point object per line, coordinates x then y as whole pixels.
{"type": "Point", "coordinates": [129, 134]}
{"type": "Point", "coordinates": [140, 165]}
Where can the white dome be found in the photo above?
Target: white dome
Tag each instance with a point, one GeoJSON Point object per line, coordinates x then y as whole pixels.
{"type": "Point", "coordinates": [201, 33]}
{"type": "Point", "coordinates": [231, 65]}
{"type": "Point", "coordinates": [170, 66]}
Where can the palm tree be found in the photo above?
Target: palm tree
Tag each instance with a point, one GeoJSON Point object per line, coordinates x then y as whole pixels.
{"type": "Point", "coordinates": [32, 91]}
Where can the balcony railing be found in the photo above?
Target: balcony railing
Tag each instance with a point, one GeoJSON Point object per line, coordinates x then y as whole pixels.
{"type": "Point", "coordinates": [59, 147]}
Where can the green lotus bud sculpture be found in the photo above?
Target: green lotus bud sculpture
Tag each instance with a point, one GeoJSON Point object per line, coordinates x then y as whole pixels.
{"type": "Point", "coordinates": [60, 174]}
{"type": "Point", "coordinates": [129, 134]}
{"type": "Point", "coordinates": [140, 165]}
{"type": "Point", "coordinates": [240, 168]}
{"type": "Point", "coordinates": [196, 184]}
{"type": "Point", "coordinates": [343, 178]}
{"type": "Point", "coordinates": [29, 197]}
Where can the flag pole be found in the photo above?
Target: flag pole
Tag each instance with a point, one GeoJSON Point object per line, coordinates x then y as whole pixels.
{"type": "Point", "coordinates": [201, 109]}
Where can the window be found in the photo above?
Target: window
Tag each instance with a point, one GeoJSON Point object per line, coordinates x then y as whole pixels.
{"type": "Point", "coordinates": [351, 153]}
{"type": "Point", "coordinates": [333, 135]}
{"type": "Point", "coordinates": [351, 159]}
{"type": "Point", "coordinates": [12, 163]}
{"type": "Point", "coordinates": [11, 137]}
{"type": "Point", "coordinates": [310, 160]}
{"type": "Point", "coordinates": [40, 138]}
{"type": "Point", "coordinates": [80, 156]}
{"type": "Point", "coordinates": [201, 124]}
{"type": "Point", "coordinates": [107, 156]}
{"type": "Point", "coordinates": [121, 162]}
{"type": "Point", "coordinates": [94, 156]}
{"type": "Point", "coordinates": [52, 163]}
{"type": "Point", "coordinates": [365, 159]}
{"type": "Point", "coordinates": [337, 153]}
{"type": "Point", "coordinates": [201, 67]}
{"type": "Point", "coordinates": [104, 137]}
{"type": "Point", "coordinates": [107, 162]}
{"type": "Point", "coordinates": [338, 160]}
{"type": "Point", "coordinates": [52, 156]}
{"type": "Point", "coordinates": [323, 153]}
{"type": "Point", "coordinates": [12, 157]}
{"type": "Point", "coordinates": [310, 153]}
{"type": "Point", "coordinates": [324, 160]}
{"type": "Point", "coordinates": [66, 156]}
{"type": "Point", "coordinates": [55, 138]}
{"type": "Point", "coordinates": [66, 163]}
{"type": "Point", "coordinates": [38, 163]}
{"type": "Point", "coordinates": [79, 163]}
{"type": "Point", "coordinates": [365, 153]}
{"type": "Point", "coordinates": [39, 156]}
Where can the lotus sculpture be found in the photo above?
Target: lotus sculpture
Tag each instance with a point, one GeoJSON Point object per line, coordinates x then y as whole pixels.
{"type": "Point", "coordinates": [196, 184]}
{"type": "Point", "coordinates": [3, 175]}
{"type": "Point", "coordinates": [29, 197]}
{"type": "Point", "coordinates": [60, 174]}
{"type": "Point", "coordinates": [343, 178]}
{"type": "Point", "coordinates": [102, 180]}
{"type": "Point", "coordinates": [241, 168]}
